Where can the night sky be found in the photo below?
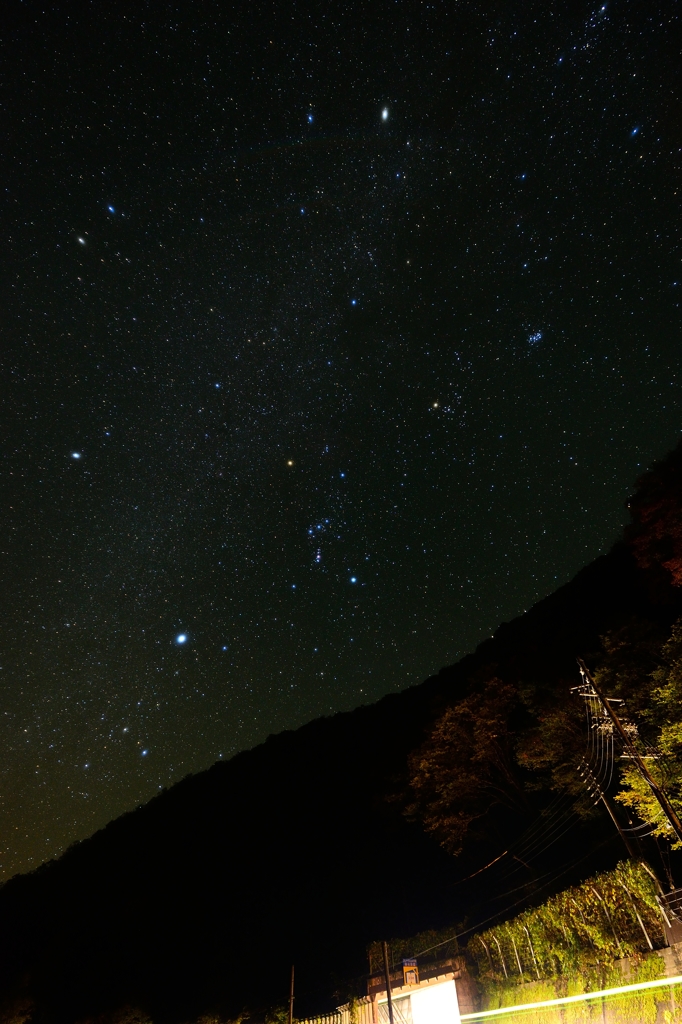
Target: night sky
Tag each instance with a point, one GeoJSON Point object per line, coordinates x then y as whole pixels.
{"type": "Point", "coordinates": [332, 336]}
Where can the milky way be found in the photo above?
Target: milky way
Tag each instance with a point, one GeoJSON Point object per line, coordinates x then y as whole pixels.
{"type": "Point", "coordinates": [332, 337]}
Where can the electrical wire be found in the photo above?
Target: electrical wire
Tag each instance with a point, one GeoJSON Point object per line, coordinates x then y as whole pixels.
{"type": "Point", "coordinates": [499, 913]}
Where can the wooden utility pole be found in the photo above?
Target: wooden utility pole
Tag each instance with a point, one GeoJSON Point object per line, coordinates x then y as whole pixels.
{"type": "Point", "coordinates": [595, 789]}
{"type": "Point", "coordinates": [291, 997]}
{"type": "Point", "coordinates": [387, 975]}
{"type": "Point", "coordinates": [632, 853]}
{"type": "Point", "coordinates": [635, 755]}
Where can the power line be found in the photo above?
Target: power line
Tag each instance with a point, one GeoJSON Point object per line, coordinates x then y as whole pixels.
{"type": "Point", "coordinates": [499, 913]}
{"type": "Point", "coordinates": [627, 732]}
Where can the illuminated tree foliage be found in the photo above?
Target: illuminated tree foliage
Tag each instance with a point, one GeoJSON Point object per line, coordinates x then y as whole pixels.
{"type": "Point", "coordinates": [492, 750]}
{"type": "Point", "coordinates": [433, 944]}
{"type": "Point", "coordinates": [16, 1011]}
{"type": "Point", "coordinates": [496, 746]}
{"type": "Point", "coordinates": [467, 765]}
{"type": "Point", "coordinates": [664, 714]}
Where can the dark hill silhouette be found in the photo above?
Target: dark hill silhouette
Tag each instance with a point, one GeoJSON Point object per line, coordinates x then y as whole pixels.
{"type": "Point", "coordinates": [201, 899]}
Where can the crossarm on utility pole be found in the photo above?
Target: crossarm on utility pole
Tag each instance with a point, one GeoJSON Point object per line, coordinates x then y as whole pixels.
{"type": "Point", "coordinates": [661, 797]}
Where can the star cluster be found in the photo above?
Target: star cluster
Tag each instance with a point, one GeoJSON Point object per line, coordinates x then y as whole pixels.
{"type": "Point", "coordinates": [332, 337]}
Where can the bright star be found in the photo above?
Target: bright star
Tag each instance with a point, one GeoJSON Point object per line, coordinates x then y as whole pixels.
{"type": "Point", "coordinates": [384, 114]}
{"type": "Point", "coordinates": [181, 638]}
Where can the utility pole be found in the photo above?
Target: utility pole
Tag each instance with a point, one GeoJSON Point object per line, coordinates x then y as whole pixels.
{"type": "Point", "coordinates": [633, 855]}
{"type": "Point", "coordinates": [291, 997]}
{"type": "Point", "coordinates": [635, 755]}
{"type": "Point", "coordinates": [387, 976]}
{"type": "Point", "coordinates": [597, 791]}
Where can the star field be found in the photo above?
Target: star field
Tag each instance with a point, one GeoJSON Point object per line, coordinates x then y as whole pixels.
{"type": "Point", "coordinates": [332, 337]}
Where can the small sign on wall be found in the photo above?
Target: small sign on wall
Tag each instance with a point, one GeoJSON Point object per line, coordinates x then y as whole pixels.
{"type": "Point", "coordinates": [410, 972]}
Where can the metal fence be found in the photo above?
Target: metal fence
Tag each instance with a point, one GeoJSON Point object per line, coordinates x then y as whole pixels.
{"type": "Point", "coordinates": [358, 1012]}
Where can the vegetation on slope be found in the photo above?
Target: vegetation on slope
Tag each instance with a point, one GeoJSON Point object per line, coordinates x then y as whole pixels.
{"type": "Point", "coordinates": [580, 931]}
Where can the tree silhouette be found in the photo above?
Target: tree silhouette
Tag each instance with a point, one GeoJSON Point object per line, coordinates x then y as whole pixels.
{"type": "Point", "coordinates": [656, 509]}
